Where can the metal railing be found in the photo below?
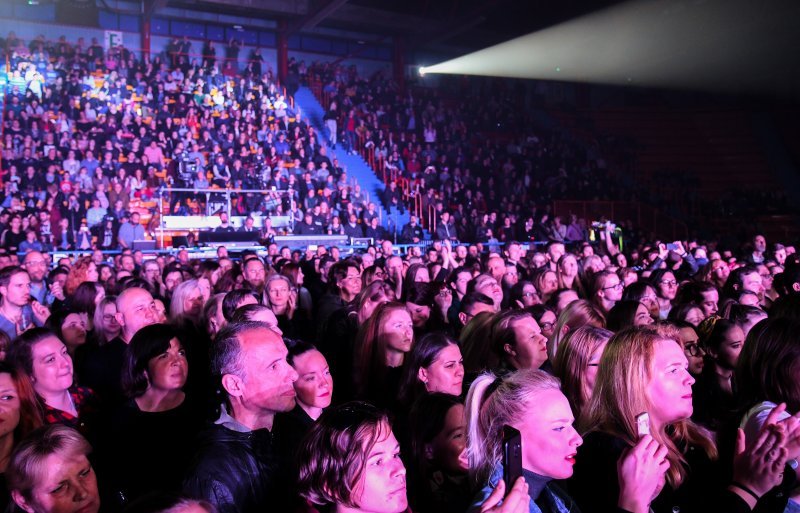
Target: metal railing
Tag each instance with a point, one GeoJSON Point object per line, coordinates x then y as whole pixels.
{"type": "Point", "coordinates": [645, 217]}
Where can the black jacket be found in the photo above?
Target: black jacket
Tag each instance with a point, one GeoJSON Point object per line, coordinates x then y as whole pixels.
{"type": "Point", "coordinates": [237, 472]}
{"type": "Point", "coordinates": [595, 488]}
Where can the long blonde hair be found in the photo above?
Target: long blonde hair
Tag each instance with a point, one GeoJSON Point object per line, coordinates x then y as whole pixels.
{"type": "Point", "coordinates": [619, 396]}
{"type": "Point", "coordinates": [493, 402]}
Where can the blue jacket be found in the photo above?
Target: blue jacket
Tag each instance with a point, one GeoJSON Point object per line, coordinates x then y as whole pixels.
{"type": "Point", "coordinates": [557, 500]}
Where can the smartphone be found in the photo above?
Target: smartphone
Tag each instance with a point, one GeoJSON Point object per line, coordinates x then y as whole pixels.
{"type": "Point", "coordinates": [672, 246]}
{"type": "Point", "coordinates": [512, 456]}
{"type": "Point", "coordinates": [312, 247]}
{"type": "Point", "coordinates": [643, 424]}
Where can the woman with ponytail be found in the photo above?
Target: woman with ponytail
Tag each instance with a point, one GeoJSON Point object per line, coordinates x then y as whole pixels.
{"type": "Point", "coordinates": [532, 402]}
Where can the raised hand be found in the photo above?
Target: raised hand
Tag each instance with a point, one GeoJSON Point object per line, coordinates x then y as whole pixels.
{"type": "Point", "coordinates": [640, 472]}
{"type": "Point", "coordinates": [517, 500]}
{"type": "Point", "coordinates": [758, 464]}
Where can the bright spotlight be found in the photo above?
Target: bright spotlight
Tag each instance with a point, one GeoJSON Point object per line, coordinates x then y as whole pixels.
{"type": "Point", "coordinates": [715, 45]}
{"type": "Point", "coordinates": [422, 71]}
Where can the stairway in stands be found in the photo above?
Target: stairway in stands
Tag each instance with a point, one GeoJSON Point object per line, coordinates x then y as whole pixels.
{"type": "Point", "coordinates": [355, 166]}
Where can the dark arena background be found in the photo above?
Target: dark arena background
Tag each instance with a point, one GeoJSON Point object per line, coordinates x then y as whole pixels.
{"type": "Point", "coordinates": [437, 205]}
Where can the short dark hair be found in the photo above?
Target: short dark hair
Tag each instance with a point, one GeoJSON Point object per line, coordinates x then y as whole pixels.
{"type": "Point", "coordinates": [226, 351]}
{"type": "Point", "coordinates": [6, 273]}
{"type": "Point", "coordinates": [297, 347]}
{"type": "Point", "coordinates": [59, 269]}
{"type": "Point", "coordinates": [338, 272]}
{"type": "Point", "coordinates": [246, 312]}
{"type": "Point", "coordinates": [472, 298]}
{"type": "Point", "coordinates": [145, 345]}
{"type": "Point", "coordinates": [233, 298]}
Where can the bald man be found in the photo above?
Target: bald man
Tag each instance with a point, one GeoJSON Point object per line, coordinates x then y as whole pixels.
{"type": "Point", "coordinates": [101, 369]}
{"type": "Point", "coordinates": [36, 265]}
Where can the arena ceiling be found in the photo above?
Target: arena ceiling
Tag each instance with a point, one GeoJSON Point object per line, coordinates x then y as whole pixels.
{"type": "Point", "coordinates": [444, 26]}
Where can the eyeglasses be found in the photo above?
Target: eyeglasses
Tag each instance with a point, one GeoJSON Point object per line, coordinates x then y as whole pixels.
{"type": "Point", "coordinates": [694, 349]}
{"type": "Point", "coordinates": [668, 283]}
{"type": "Point", "coordinates": [546, 325]}
{"type": "Point", "coordinates": [618, 285]}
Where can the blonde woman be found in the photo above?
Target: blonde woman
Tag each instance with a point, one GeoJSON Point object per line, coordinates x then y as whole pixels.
{"type": "Point", "coordinates": [532, 402]}
{"type": "Point", "coordinates": [642, 371]}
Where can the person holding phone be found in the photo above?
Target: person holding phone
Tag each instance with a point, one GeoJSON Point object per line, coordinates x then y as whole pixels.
{"type": "Point", "coordinates": [350, 461]}
{"type": "Point", "coordinates": [644, 370]}
{"type": "Point", "coordinates": [531, 402]}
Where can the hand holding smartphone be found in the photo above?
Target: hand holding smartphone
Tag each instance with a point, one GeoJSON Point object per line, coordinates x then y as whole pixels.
{"type": "Point", "coordinates": [512, 456]}
{"type": "Point", "coordinates": [643, 424]}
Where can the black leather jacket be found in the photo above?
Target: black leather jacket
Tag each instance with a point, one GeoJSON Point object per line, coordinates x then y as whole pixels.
{"type": "Point", "coordinates": [238, 472]}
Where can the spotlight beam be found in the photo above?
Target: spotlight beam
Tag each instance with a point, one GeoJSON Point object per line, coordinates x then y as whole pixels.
{"type": "Point", "coordinates": [720, 45]}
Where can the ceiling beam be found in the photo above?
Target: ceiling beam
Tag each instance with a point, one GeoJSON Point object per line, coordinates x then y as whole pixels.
{"type": "Point", "coordinates": [314, 18]}
{"type": "Point", "coordinates": [151, 6]}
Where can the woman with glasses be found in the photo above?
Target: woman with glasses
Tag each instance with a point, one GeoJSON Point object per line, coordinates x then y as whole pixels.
{"type": "Point", "coordinates": [666, 287]}
{"type": "Point", "coordinates": [606, 290]}
{"type": "Point", "coordinates": [523, 295]}
{"type": "Point", "coordinates": [577, 362]}
{"type": "Point", "coordinates": [695, 353]}
{"type": "Point", "coordinates": [545, 317]}
{"type": "Point", "coordinates": [644, 293]}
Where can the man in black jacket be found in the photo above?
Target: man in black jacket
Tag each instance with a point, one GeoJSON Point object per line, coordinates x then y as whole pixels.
{"type": "Point", "coordinates": [412, 232]}
{"type": "Point", "coordinates": [237, 466]}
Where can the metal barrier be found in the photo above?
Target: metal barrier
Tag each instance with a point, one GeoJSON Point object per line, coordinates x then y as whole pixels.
{"type": "Point", "coordinates": [645, 217]}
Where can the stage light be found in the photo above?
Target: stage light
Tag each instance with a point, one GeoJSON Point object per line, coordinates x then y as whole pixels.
{"type": "Point", "coordinates": [712, 45]}
{"type": "Point", "coordinates": [422, 71]}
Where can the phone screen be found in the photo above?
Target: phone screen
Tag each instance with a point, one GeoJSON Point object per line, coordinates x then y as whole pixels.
{"type": "Point", "coordinates": [512, 456]}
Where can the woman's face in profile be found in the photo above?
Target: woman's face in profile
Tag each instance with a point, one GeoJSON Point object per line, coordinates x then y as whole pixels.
{"type": "Point", "coordinates": [448, 447]}
{"type": "Point", "coordinates": [549, 440]}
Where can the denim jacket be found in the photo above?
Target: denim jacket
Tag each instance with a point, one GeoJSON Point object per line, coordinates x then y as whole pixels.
{"type": "Point", "coordinates": [556, 499]}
